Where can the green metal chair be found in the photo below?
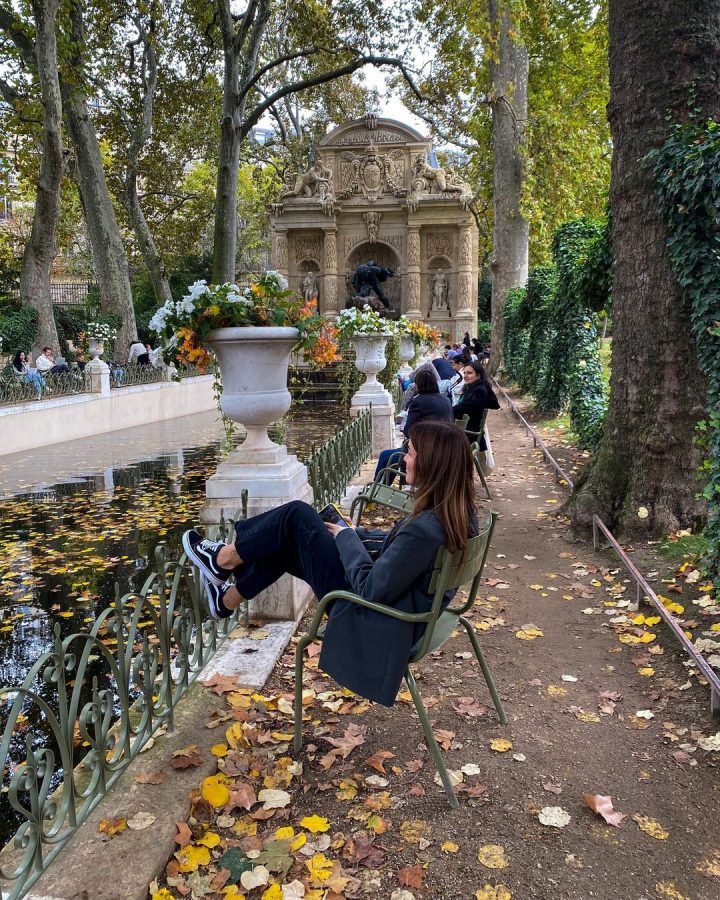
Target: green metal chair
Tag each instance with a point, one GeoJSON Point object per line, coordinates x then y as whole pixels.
{"type": "Point", "coordinates": [474, 437]}
{"type": "Point", "coordinates": [382, 495]}
{"type": "Point", "coordinates": [449, 572]}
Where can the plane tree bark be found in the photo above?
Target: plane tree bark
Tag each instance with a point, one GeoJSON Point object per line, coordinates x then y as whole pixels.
{"type": "Point", "coordinates": [40, 249]}
{"type": "Point", "coordinates": [664, 59]}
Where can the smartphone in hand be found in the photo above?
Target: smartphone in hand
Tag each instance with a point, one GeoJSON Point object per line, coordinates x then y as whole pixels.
{"type": "Point", "coordinates": [333, 515]}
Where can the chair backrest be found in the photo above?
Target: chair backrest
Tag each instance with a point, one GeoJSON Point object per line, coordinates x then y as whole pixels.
{"type": "Point", "coordinates": [462, 423]}
{"type": "Point", "coordinates": [475, 435]}
{"type": "Point", "coordinates": [452, 571]}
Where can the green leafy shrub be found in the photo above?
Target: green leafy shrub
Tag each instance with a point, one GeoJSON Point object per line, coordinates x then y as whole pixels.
{"type": "Point", "coordinates": [483, 332]}
{"type": "Point", "coordinates": [18, 329]}
{"type": "Point", "coordinates": [516, 336]}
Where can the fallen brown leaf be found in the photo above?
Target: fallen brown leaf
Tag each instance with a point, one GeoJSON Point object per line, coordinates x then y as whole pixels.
{"type": "Point", "coordinates": [411, 876]}
{"type": "Point", "coordinates": [602, 805]}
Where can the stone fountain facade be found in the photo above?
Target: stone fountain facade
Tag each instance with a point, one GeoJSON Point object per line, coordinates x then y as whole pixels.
{"type": "Point", "coordinates": [372, 195]}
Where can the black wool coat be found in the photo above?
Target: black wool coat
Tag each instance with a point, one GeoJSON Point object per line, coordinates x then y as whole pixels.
{"type": "Point", "coordinates": [473, 402]}
{"type": "Point", "coordinates": [364, 650]}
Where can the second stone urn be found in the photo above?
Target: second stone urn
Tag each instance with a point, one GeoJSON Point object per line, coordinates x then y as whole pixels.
{"type": "Point", "coordinates": [407, 351]}
{"type": "Point", "coordinates": [254, 366]}
{"type": "Point", "coordinates": [370, 358]}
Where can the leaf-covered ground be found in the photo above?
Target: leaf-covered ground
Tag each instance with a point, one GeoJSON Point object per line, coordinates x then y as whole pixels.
{"type": "Point", "coordinates": [603, 785]}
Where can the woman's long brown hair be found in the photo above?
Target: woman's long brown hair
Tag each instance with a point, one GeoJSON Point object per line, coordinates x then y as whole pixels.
{"type": "Point", "coordinates": [444, 479]}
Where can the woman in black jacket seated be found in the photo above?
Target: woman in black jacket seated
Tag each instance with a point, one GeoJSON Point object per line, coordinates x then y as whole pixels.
{"type": "Point", "coordinates": [476, 397]}
{"type": "Point", "coordinates": [363, 650]}
{"type": "Point", "coordinates": [428, 403]}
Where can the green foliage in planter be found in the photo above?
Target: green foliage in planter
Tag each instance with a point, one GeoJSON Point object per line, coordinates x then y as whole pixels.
{"type": "Point", "coordinates": [18, 329]}
{"type": "Point", "coordinates": [516, 338]}
{"type": "Point", "coordinates": [192, 268]}
{"type": "Point", "coordinates": [350, 377]}
{"type": "Point", "coordinates": [687, 171]}
{"type": "Point", "coordinates": [388, 376]}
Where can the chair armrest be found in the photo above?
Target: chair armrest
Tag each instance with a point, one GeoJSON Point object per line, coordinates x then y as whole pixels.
{"type": "Point", "coordinates": [368, 604]}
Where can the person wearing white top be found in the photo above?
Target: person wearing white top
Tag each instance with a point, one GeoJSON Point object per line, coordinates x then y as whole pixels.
{"type": "Point", "coordinates": [45, 363]}
{"type": "Point", "coordinates": [138, 354]}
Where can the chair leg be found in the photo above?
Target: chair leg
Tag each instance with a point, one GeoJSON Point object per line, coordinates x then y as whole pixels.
{"type": "Point", "coordinates": [430, 738]}
{"type": "Point", "coordinates": [487, 674]}
{"type": "Point", "coordinates": [299, 662]}
{"type": "Point", "coordinates": [485, 484]}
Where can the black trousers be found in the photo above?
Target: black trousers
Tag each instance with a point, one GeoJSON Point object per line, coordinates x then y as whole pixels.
{"type": "Point", "coordinates": [290, 539]}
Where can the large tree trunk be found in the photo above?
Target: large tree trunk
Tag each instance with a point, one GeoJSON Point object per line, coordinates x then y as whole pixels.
{"type": "Point", "coordinates": [40, 249]}
{"type": "Point", "coordinates": [509, 75]}
{"type": "Point", "coordinates": [664, 57]}
{"type": "Point", "coordinates": [103, 231]}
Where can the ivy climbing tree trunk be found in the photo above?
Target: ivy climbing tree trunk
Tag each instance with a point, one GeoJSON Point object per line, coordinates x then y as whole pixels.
{"type": "Point", "coordinates": [509, 75]}
{"type": "Point", "coordinates": [103, 232]}
{"type": "Point", "coordinates": [40, 249]}
{"type": "Point", "coordinates": [664, 58]}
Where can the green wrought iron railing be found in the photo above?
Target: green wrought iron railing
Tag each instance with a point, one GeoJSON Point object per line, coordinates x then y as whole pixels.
{"type": "Point", "coordinates": [126, 376]}
{"type": "Point", "coordinates": [337, 460]}
{"type": "Point", "coordinates": [113, 687]}
{"type": "Point", "coordinates": [16, 389]}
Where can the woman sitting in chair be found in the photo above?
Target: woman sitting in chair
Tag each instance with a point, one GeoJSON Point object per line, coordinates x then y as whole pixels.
{"type": "Point", "coordinates": [476, 397]}
{"type": "Point", "coordinates": [428, 403]}
{"type": "Point", "coordinates": [362, 649]}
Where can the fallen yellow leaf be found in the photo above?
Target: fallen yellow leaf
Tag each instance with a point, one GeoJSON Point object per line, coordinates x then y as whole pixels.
{"type": "Point", "coordinates": [651, 827]}
{"type": "Point", "coordinates": [493, 892]}
{"type": "Point", "coordinates": [216, 794]}
{"type": "Point", "coordinates": [492, 856]}
{"type": "Point", "coordinates": [191, 857]}
{"type": "Point", "coordinates": [315, 824]}
{"type": "Point", "coordinates": [668, 889]}
{"type": "Point", "coordinates": [319, 867]}
{"type": "Point", "coordinates": [449, 847]}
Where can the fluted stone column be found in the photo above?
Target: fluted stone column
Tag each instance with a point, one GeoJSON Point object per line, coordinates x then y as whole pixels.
{"type": "Point", "coordinates": [280, 252]}
{"type": "Point", "coordinates": [465, 312]}
{"type": "Point", "coordinates": [412, 277]}
{"type": "Point", "coordinates": [329, 295]}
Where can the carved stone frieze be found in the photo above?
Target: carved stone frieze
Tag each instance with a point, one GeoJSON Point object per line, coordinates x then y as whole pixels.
{"type": "Point", "coordinates": [307, 248]}
{"type": "Point", "coordinates": [380, 136]}
{"type": "Point", "coordinates": [372, 174]}
{"type": "Point", "coordinates": [439, 245]}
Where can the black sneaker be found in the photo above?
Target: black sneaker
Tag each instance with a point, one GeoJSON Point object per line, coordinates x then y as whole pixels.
{"type": "Point", "coordinates": [214, 594]}
{"type": "Point", "coordinates": [203, 553]}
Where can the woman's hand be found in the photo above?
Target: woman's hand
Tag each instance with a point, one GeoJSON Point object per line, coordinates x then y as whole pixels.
{"type": "Point", "coordinates": [336, 529]}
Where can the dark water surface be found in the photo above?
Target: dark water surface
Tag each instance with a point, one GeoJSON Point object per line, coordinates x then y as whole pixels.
{"type": "Point", "coordinates": [80, 516]}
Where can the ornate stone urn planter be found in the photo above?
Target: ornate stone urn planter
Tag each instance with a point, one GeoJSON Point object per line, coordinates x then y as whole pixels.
{"type": "Point", "coordinates": [254, 366]}
{"type": "Point", "coordinates": [370, 358]}
{"type": "Point", "coordinates": [95, 348]}
{"type": "Point", "coordinates": [407, 351]}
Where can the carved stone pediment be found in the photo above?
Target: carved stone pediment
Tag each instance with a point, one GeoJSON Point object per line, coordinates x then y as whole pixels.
{"type": "Point", "coordinates": [378, 136]}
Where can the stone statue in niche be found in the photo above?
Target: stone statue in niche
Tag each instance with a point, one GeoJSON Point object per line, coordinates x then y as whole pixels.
{"type": "Point", "coordinates": [310, 286]}
{"type": "Point", "coordinates": [372, 221]}
{"type": "Point", "coordinates": [368, 277]}
{"type": "Point", "coordinates": [316, 182]}
{"type": "Point", "coordinates": [440, 288]}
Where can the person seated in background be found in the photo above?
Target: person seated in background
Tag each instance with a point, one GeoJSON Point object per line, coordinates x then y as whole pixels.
{"type": "Point", "coordinates": [137, 354]}
{"type": "Point", "coordinates": [477, 347]}
{"type": "Point", "coordinates": [46, 364]}
{"type": "Point", "coordinates": [22, 370]}
{"type": "Point", "coordinates": [428, 404]}
{"type": "Point", "coordinates": [444, 369]}
{"type": "Point", "coordinates": [411, 390]}
{"type": "Point", "coordinates": [456, 384]}
{"type": "Point", "coordinates": [476, 397]}
{"type": "Point", "coordinates": [80, 360]}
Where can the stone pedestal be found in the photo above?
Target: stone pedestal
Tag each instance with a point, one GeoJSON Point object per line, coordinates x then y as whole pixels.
{"type": "Point", "coordinates": [271, 477]}
{"type": "Point", "coordinates": [376, 398]}
{"type": "Point", "coordinates": [99, 377]}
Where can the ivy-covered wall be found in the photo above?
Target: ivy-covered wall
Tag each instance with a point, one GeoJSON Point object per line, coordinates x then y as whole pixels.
{"type": "Point", "coordinates": [687, 169]}
{"type": "Point", "coordinates": [551, 340]}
